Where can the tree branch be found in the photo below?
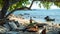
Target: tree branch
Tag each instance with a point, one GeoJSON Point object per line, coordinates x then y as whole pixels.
{"type": "Point", "coordinates": [31, 4]}
{"type": "Point", "coordinates": [22, 8]}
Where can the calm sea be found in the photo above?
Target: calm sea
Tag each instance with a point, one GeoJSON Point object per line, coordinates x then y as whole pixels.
{"type": "Point", "coordinates": [39, 15]}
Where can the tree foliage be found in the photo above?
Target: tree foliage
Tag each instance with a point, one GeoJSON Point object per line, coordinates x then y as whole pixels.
{"type": "Point", "coordinates": [45, 4]}
{"type": "Point", "coordinates": [20, 3]}
{"type": "Point", "coordinates": [1, 3]}
{"type": "Point", "coordinates": [15, 4]}
{"type": "Point", "coordinates": [57, 4]}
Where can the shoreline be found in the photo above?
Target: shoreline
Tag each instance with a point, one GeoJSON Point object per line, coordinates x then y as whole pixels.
{"type": "Point", "coordinates": [22, 20]}
{"type": "Point", "coordinates": [50, 28]}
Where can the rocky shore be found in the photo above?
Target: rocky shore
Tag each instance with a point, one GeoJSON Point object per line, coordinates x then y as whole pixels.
{"type": "Point", "coordinates": [50, 28]}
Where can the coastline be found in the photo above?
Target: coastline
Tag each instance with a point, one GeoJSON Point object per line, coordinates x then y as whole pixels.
{"type": "Point", "coordinates": [23, 21]}
{"type": "Point", "coordinates": [49, 27]}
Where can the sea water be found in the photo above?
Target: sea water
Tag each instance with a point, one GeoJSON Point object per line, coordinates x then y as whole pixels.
{"type": "Point", "coordinates": [40, 14]}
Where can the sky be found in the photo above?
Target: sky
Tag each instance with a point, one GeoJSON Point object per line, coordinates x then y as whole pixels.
{"type": "Point", "coordinates": [35, 6]}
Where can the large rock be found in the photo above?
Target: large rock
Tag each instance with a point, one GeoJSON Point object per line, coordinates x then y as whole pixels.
{"type": "Point", "coordinates": [2, 29]}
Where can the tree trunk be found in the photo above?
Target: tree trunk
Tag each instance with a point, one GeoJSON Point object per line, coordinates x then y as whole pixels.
{"type": "Point", "coordinates": [4, 9]}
